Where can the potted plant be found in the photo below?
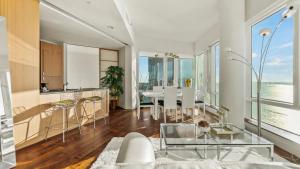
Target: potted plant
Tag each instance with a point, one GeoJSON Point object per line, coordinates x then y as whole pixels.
{"type": "Point", "coordinates": [113, 80]}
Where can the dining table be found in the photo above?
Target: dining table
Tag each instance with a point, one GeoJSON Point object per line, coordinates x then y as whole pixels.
{"type": "Point", "coordinates": [159, 95]}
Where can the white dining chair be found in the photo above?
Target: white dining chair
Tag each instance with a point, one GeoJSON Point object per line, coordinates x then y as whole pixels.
{"type": "Point", "coordinates": [170, 101]}
{"type": "Point", "coordinates": [143, 105]}
{"type": "Point", "coordinates": [158, 88]}
{"type": "Point", "coordinates": [200, 100]}
{"type": "Point", "coordinates": [188, 101]}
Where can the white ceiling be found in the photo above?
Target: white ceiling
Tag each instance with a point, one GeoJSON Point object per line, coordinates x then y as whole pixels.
{"type": "Point", "coordinates": [183, 21]}
{"type": "Point", "coordinates": [178, 20]}
{"type": "Point", "coordinates": [99, 13]}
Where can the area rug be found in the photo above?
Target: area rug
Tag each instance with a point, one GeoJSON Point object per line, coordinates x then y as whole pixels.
{"type": "Point", "coordinates": [107, 158]}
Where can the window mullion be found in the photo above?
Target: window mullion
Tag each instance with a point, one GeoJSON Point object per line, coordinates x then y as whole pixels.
{"type": "Point", "coordinates": [296, 79]}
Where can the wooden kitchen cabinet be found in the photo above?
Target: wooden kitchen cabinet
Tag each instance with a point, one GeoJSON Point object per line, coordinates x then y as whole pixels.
{"type": "Point", "coordinates": [52, 65]}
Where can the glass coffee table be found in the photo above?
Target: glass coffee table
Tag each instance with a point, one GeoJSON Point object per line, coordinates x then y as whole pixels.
{"type": "Point", "coordinates": [185, 136]}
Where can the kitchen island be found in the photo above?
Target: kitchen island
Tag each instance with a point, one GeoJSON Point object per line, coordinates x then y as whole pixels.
{"type": "Point", "coordinates": [33, 122]}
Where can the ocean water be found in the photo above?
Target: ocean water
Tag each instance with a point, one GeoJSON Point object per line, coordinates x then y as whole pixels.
{"type": "Point", "coordinates": [284, 118]}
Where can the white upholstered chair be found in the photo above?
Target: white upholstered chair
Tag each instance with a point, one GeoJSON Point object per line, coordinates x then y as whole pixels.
{"type": "Point", "coordinates": [158, 88]}
{"type": "Point", "coordinates": [142, 104]}
{"type": "Point", "coordinates": [170, 101]}
{"type": "Point", "coordinates": [188, 101]}
{"type": "Point", "coordinates": [199, 101]}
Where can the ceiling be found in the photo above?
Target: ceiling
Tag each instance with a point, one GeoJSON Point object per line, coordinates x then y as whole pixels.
{"type": "Point", "coordinates": [178, 20]}
{"type": "Point", "coordinates": [173, 20]}
{"type": "Point", "coordinates": [101, 14]}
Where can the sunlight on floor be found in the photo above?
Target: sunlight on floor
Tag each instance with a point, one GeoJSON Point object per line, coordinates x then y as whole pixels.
{"type": "Point", "coordinates": [82, 164]}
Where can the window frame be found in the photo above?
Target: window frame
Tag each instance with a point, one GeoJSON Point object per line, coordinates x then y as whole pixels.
{"type": "Point", "coordinates": [213, 85]}
{"type": "Point", "coordinates": [296, 80]}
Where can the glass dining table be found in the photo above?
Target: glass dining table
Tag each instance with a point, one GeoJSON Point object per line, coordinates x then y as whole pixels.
{"type": "Point", "coordinates": [190, 136]}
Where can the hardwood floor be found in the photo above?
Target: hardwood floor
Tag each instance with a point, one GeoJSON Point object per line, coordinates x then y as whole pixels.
{"type": "Point", "coordinates": [80, 151]}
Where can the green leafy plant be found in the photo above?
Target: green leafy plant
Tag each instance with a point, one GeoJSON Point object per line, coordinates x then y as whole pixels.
{"type": "Point", "coordinates": [113, 80]}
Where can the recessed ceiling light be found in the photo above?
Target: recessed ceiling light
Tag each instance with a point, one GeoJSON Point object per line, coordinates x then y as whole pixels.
{"type": "Point", "coordinates": [110, 27]}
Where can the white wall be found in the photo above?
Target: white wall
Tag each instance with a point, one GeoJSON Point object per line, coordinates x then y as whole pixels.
{"type": "Point", "coordinates": [207, 39]}
{"type": "Point", "coordinates": [3, 58]}
{"type": "Point", "coordinates": [163, 46]}
{"type": "Point", "coordinates": [253, 7]}
{"type": "Point", "coordinates": [4, 66]}
{"type": "Point", "coordinates": [82, 67]}
{"type": "Point", "coordinates": [232, 74]}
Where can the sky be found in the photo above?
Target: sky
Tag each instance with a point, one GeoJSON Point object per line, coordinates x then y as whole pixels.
{"type": "Point", "coordinates": [279, 62]}
{"type": "Point", "coordinates": [143, 68]}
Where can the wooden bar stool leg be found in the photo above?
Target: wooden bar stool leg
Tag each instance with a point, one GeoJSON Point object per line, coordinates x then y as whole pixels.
{"type": "Point", "coordinates": [67, 120]}
{"type": "Point", "coordinates": [49, 124]}
{"type": "Point", "coordinates": [78, 121]}
{"type": "Point", "coordinates": [94, 110]}
{"type": "Point", "coordinates": [64, 113]}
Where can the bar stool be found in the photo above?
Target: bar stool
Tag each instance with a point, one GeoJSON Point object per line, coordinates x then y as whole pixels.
{"type": "Point", "coordinates": [93, 99]}
{"type": "Point", "coordinates": [67, 102]}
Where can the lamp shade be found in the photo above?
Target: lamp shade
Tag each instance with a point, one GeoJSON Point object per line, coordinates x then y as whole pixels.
{"type": "Point", "coordinates": [265, 32]}
{"type": "Point", "coordinates": [291, 9]}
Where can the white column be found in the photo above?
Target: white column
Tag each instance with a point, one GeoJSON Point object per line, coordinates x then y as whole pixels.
{"type": "Point", "coordinates": [176, 72]}
{"type": "Point", "coordinates": [232, 74]}
{"type": "Point", "coordinates": [128, 61]}
{"type": "Point", "coordinates": [165, 67]}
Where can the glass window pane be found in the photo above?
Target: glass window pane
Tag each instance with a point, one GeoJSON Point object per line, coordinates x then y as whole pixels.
{"type": "Point", "coordinates": [217, 69]}
{"type": "Point", "coordinates": [287, 119]}
{"type": "Point", "coordinates": [277, 81]}
{"type": "Point", "coordinates": [150, 72]}
{"type": "Point", "coordinates": [200, 71]}
{"type": "Point", "coordinates": [185, 71]}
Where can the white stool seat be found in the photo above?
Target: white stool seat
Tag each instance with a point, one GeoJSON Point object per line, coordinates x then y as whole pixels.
{"type": "Point", "coordinates": [136, 148]}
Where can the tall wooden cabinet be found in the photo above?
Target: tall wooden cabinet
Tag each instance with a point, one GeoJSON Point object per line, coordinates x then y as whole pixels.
{"type": "Point", "coordinates": [52, 65]}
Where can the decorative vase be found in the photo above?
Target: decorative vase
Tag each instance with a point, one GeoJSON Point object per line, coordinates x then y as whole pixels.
{"type": "Point", "coordinates": [188, 82]}
{"type": "Point", "coordinates": [113, 104]}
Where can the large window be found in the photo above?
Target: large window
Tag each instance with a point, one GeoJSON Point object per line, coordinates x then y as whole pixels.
{"type": "Point", "coordinates": [161, 70]}
{"type": "Point", "coordinates": [150, 72]}
{"type": "Point", "coordinates": [185, 71]}
{"type": "Point", "coordinates": [278, 75]}
{"type": "Point", "coordinates": [215, 74]}
{"type": "Point", "coordinates": [200, 76]}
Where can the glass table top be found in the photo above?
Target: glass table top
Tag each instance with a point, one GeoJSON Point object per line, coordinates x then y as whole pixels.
{"type": "Point", "coordinates": [192, 134]}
